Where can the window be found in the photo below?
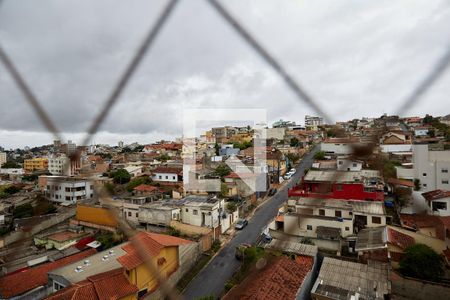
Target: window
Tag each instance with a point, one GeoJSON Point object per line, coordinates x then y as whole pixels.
{"type": "Point", "coordinates": [173, 177]}
{"type": "Point", "coordinates": [142, 293]}
{"type": "Point", "coordinates": [167, 177]}
{"type": "Point", "coordinates": [376, 220]}
{"type": "Point", "coordinates": [424, 174]}
{"type": "Point", "coordinates": [159, 176]}
{"type": "Point", "coordinates": [137, 215]}
{"type": "Point", "coordinates": [57, 286]}
{"type": "Point", "coordinates": [424, 185]}
{"type": "Point", "coordinates": [341, 162]}
{"type": "Point", "coordinates": [444, 181]}
{"type": "Point", "coordinates": [309, 227]}
{"type": "Point", "coordinates": [129, 213]}
{"type": "Point", "coordinates": [68, 198]}
{"type": "Point", "coordinates": [354, 165]}
{"type": "Point", "coordinates": [187, 210]}
{"type": "Point", "coordinates": [444, 170]}
{"type": "Point", "coordinates": [347, 228]}
{"type": "Point", "coordinates": [67, 189]}
{"type": "Point", "coordinates": [322, 212]}
{"type": "Point", "coordinates": [338, 213]}
{"type": "Point", "coordinates": [350, 213]}
{"type": "Point", "coordinates": [195, 212]}
{"type": "Point", "coordinates": [439, 205]}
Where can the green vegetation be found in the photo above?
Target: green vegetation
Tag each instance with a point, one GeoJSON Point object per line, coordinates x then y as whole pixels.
{"type": "Point", "coordinates": [229, 285]}
{"type": "Point", "coordinates": [217, 148]}
{"type": "Point", "coordinates": [137, 182]}
{"type": "Point", "coordinates": [110, 188]}
{"type": "Point", "coordinates": [294, 142]}
{"type": "Point", "coordinates": [421, 261]}
{"type": "Point", "coordinates": [231, 206]}
{"type": "Point", "coordinates": [23, 211]}
{"type": "Point", "coordinates": [10, 164]}
{"type": "Point", "coordinates": [216, 246]}
{"type": "Point", "coordinates": [319, 155]}
{"type": "Point", "coordinates": [417, 184]}
{"type": "Point", "coordinates": [243, 145]}
{"type": "Point", "coordinates": [109, 239]}
{"type": "Point", "coordinates": [121, 176]}
{"type": "Point", "coordinates": [163, 157]}
{"type": "Point", "coordinates": [441, 127]}
{"type": "Point", "coordinates": [30, 177]}
{"type": "Point", "coordinates": [173, 231]}
{"type": "Point", "coordinates": [12, 189]}
{"type": "Point", "coordinates": [223, 190]}
{"type": "Point", "coordinates": [293, 157]}
{"type": "Point", "coordinates": [223, 170]}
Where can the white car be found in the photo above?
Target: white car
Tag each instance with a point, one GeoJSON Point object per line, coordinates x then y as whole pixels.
{"type": "Point", "coordinates": [292, 170]}
{"type": "Point", "coordinates": [287, 176]}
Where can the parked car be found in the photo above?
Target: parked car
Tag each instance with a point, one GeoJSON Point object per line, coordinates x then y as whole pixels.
{"type": "Point", "coordinates": [240, 250]}
{"type": "Point", "coordinates": [272, 192]}
{"type": "Point", "coordinates": [266, 238]}
{"type": "Point", "coordinates": [292, 171]}
{"type": "Point", "coordinates": [240, 224]}
{"type": "Point", "coordinates": [287, 176]}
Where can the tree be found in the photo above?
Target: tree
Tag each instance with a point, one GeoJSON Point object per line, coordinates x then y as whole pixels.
{"type": "Point", "coordinates": [121, 176]}
{"type": "Point", "coordinates": [421, 261]}
{"type": "Point", "coordinates": [231, 206]}
{"type": "Point", "coordinates": [23, 211]}
{"type": "Point", "coordinates": [427, 119]}
{"type": "Point", "coordinates": [293, 157]}
{"type": "Point", "coordinates": [417, 184]}
{"type": "Point", "coordinates": [223, 190]}
{"type": "Point", "coordinates": [294, 142]}
{"type": "Point", "coordinates": [163, 157]}
{"type": "Point", "coordinates": [319, 155]}
{"type": "Point", "coordinates": [136, 182]}
{"type": "Point", "coordinates": [10, 164]}
{"type": "Point", "coordinates": [223, 170]}
{"type": "Point", "coordinates": [216, 146]}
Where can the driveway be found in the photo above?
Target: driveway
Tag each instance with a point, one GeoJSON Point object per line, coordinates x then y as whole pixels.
{"type": "Point", "coordinates": [211, 280]}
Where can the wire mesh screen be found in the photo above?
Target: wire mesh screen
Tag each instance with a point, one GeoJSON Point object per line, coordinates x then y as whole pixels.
{"type": "Point", "coordinates": [264, 53]}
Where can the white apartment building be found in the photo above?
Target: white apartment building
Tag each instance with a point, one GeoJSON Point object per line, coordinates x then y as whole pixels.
{"type": "Point", "coordinates": [311, 122]}
{"type": "Point", "coordinates": [67, 189]}
{"type": "Point", "coordinates": [167, 174]}
{"type": "Point", "coordinates": [332, 219]}
{"type": "Point", "coordinates": [431, 167]}
{"type": "Point", "coordinates": [347, 164]}
{"type": "Point", "coordinates": [59, 165]}
{"type": "Point", "coordinates": [2, 158]}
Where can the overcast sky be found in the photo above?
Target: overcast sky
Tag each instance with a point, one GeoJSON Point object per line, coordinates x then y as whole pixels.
{"type": "Point", "coordinates": [356, 58]}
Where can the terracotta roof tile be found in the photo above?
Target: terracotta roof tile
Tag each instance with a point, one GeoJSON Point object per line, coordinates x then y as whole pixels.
{"type": "Point", "coordinates": [145, 188]}
{"type": "Point", "coordinates": [170, 170]}
{"type": "Point", "coordinates": [152, 243]}
{"type": "Point", "coordinates": [436, 194]}
{"type": "Point", "coordinates": [22, 282]}
{"type": "Point", "coordinates": [109, 285]}
{"type": "Point", "coordinates": [279, 280]}
{"type": "Point", "coordinates": [422, 221]}
{"type": "Point", "coordinates": [399, 239]}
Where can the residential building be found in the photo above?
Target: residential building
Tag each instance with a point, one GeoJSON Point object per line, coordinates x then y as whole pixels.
{"type": "Point", "coordinates": [281, 123]}
{"type": "Point", "coordinates": [95, 216]}
{"type": "Point", "coordinates": [59, 240]}
{"type": "Point", "coordinates": [333, 184]}
{"type": "Point", "coordinates": [130, 208]}
{"type": "Point", "coordinates": [438, 202]}
{"type": "Point", "coordinates": [338, 146]}
{"type": "Point", "coordinates": [228, 150]}
{"type": "Point", "coordinates": [276, 133]}
{"type": "Point", "coordinates": [59, 165]}
{"type": "Point", "coordinates": [159, 213]}
{"type": "Point", "coordinates": [340, 279]}
{"type": "Point", "coordinates": [345, 163]}
{"type": "Point", "coordinates": [164, 251]}
{"type": "Point", "coordinates": [148, 191]}
{"type": "Point", "coordinates": [12, 171]}
{"type": "Point", "coordinates": [421, 131]}
{"type": "Point", "coordinates": [282, 278]}
{"type": "Point", "coordinates": [202, 210]}
{"type": "Point", "coordinates": [67, 189]}
{"type": "Point", "coordinates": [431, 167]}
{"type": "Point", "coordinates": [331, 219]}
{"type": "Point", "coordinates": [223, 133]}
{"type": "Point", "coordinates": [167, 174]}
{"type": "Point", "coordinates": [2, 158]}
{"type": "Point", "coordinates": [35, 164]}
{"type": "Point", "coordinates": [312, 123]}
{"type": "Point", "coordinates": [33, 283]}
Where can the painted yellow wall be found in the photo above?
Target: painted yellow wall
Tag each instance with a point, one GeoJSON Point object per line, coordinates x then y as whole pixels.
{"type": "Point", "coordinates": [143, 278]}
{"type": "Point", "coordinates": [96, 215]}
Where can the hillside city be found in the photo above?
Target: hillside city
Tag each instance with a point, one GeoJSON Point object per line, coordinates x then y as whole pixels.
{"type": "Point", "coordinates": [358, 209]}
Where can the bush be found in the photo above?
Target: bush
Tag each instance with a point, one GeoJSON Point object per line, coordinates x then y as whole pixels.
{"type": "Point", "coordinates": [173, 231]}
{"type": "Point", "coordinates": [231, 206]}
{"type": "Point", "coordinates": [229, 285]}
{"type": "Point", "coordinates": [23, 211]}
{"type": "Point", "coordinates": [12, 189]}
{"type": "Point", "coordinates": [417, 184]}
{"type": "Point", "coordinates": [121, 176]}
{"type": "Point", "coordinates": [319, 155]}
{"type": "Point", "coordinates": [216, 246]}
{"type": "Point", "coordinates": [421, 261]}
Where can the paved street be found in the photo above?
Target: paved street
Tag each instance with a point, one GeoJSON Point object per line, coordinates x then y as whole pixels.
{"type": "Point", "coordinates": [211, 280]}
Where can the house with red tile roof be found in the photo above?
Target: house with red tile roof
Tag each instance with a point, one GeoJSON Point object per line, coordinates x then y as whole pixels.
{"type": "Point", "coordinates": [131, 257]}
{"type": "Point", "coordinates": [439, 202]}
{"type": "Point", "coordinates": [281, 279]}
{"type": "Point", "coordinates": [34, 282]}
{"type": "Point", "coordinates": [104, 286]}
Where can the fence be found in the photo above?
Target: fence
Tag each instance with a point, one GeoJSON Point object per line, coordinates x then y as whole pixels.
{"type": "Point", "coordinates": [116, 91]}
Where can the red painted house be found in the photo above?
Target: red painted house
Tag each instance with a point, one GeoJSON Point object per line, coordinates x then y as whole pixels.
{"type": "Point", "coordinates": [349, 185]}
